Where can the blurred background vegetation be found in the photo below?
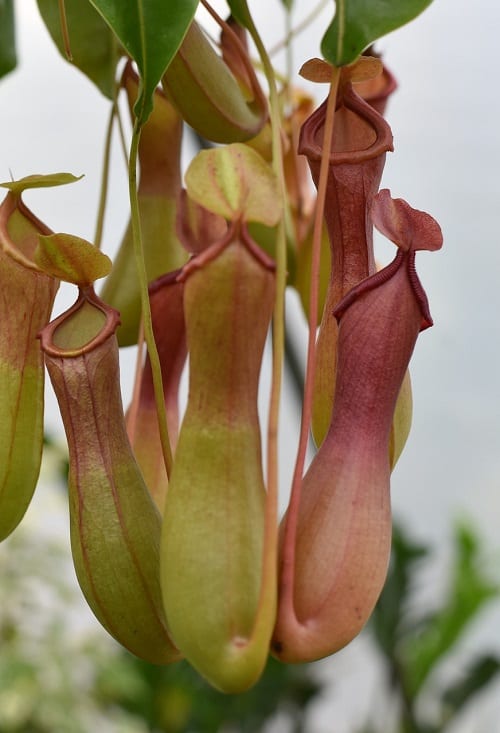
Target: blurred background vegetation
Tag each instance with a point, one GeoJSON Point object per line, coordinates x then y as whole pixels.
{"type": "Point", "coordinates": [59, 676]}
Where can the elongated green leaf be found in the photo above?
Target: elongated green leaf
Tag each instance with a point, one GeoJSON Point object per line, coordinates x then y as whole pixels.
{"type": "Point", "coordinates": [151, 31]}
{"type": "Point", "coordinates": [8, 58]}
{"type": "Point", "coordinates": [358, 23]}
{"type": "Point", "coordinates": [389, 617]}
{"type": "Point", "coordinates": [470, 590]}
{"type": "Point", "coordinates": [93, 46]}
{"type": "Point", "coordinates": [480, 673]}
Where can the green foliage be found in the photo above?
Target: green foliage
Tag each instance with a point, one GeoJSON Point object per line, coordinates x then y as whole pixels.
{"type": "Point", "coordinates": [175, 699]}
{"type": "Point", "coordinates": [93, 47]}
{"type": "Point", "coordinates": [478, 675]}
{"type": "Point", "coordinates": [8, 57]}
{"type": "Point", "coordinates": [414, 646]}
{"type": "Point", "coordinates": [391, 611]}
{"type": "Point", "coordinates": [239, 9]}
{"type": "Point", "coordinates": [151, 31]}
{"type": "Point", "coordinates": [469, 590]}
{"type": "Point", "coordinates": [47, 666]}
{"type": "Point", "coordinates": [358, 23]}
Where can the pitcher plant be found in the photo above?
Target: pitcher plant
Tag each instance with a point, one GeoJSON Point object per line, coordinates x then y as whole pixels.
{"type": "Point", "coordinates": [174, 527]}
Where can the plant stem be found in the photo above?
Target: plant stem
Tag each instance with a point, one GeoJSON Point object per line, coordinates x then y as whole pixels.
{"type": "Point", "coordinates": [121, 134]}
{"type": "Point", "coordinates": [409, 723]}
{"type": "Point", "coordinates": [103, 194]}
{"type": "Point", "coordinates": [269, 569]}
{"type": "Point", "coordinates": [294, 32]}
{"type": "Point", "coordinates": [281, 257]}
{"type": "Point", "coordinates": [146, 310]}
{"type": "Point", "coordinates": [288, 560]}
{"type": "Point", "coordinates": [133, 409]}
{"type": "Point", "coordinates": [288, 50]}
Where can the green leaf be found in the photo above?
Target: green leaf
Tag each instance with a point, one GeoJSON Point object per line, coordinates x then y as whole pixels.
{"type": "Point", "coordinates": [389, 617]}
{"type": "Point", "coordinates": [175, 698]}
{"type": "Point", "coordinates": [39, 181]}
{"type": "Point", "coordinates": [477, 676]}
{"type": "Point", "coordinates": [8, 58]}
{"type": "Point", "coordinates": [239, 10]}
{"type": "Point", "coordinates": [235, 182]}
{"type": "Point", "coordinates": [470, 590]}
{"type": "Point", "coordinates": [151, 31]}
{"type": "Point", "coordinates": [358, 23]}
{"type": "Point", "coordinates": [93, 46]}
{"type": "Point", "coordinates": [71, 259]}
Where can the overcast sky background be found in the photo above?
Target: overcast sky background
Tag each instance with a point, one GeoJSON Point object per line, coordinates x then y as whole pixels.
{"type": "Point", "coordinates": [444, 118]}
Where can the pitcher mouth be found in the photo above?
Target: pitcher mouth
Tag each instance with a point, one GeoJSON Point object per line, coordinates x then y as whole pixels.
{"type": "Point", "coordinates": [106, 326]}
{"type": "Point", "coordinates": [360, 132]}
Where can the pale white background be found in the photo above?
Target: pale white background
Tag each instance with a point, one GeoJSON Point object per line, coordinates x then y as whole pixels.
{"type": "Point", "coordinates": [445, 123]}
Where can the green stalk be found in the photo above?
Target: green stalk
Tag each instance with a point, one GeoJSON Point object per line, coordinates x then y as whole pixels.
{"type": "Point", "coordinates": [288, 49]}
{"type": "Point", "coordinates": [103, 193]}
{"type": "Point", "coordinates": [121, 133]}
{"type": "Point", "coordinates": [279, 308]}
{"type": "Point", "coordinates": [146, 310]}
{"type": "Point", "coordinates": [302, 26]}
{"type": "Point", "coordinates": [288, 559]}
{"type": "Point", "coordinates": [278, 342]}
{"type": "Point", "coordinates": [270, 538]}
